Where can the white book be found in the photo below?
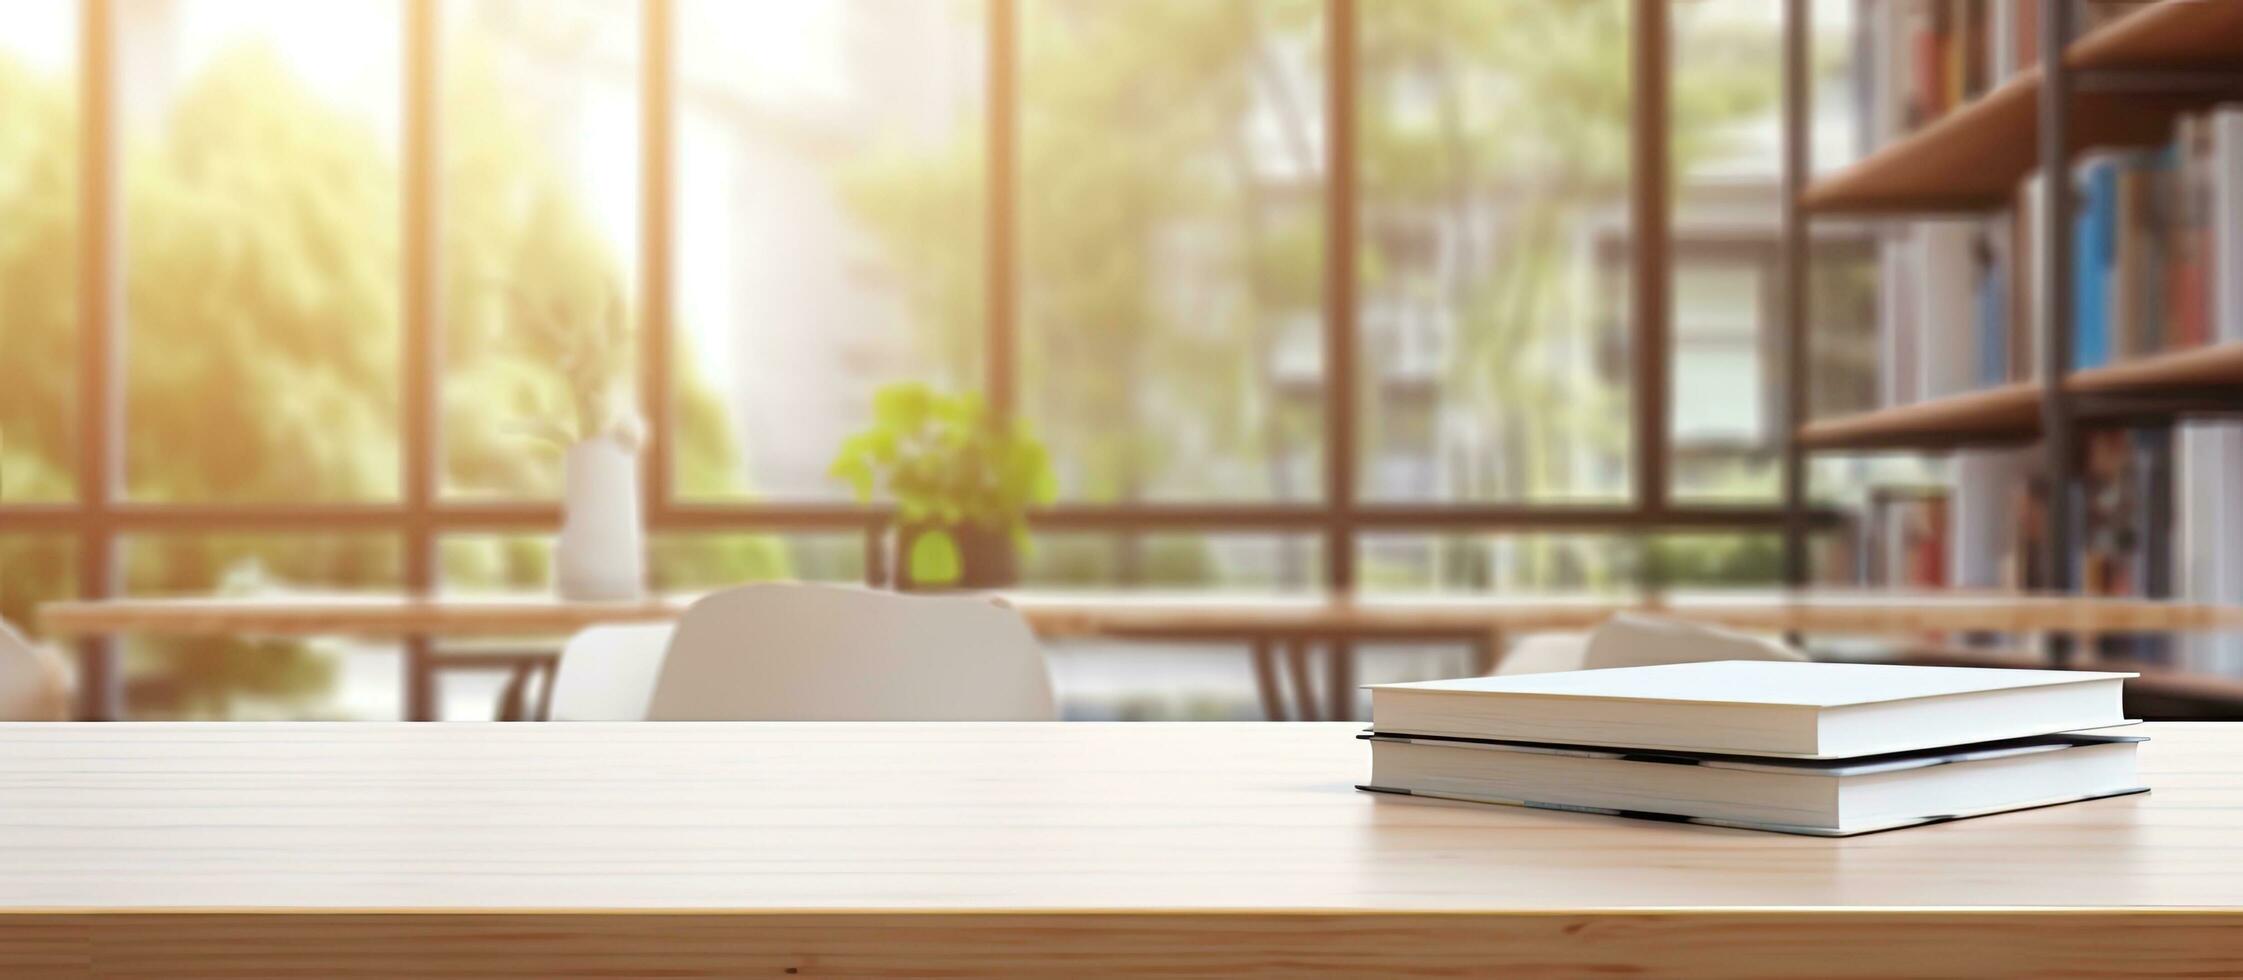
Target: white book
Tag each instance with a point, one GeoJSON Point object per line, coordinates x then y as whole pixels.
{"type": "Point", "coordinates": [1898, 330]}
{"type": "Point", "coordinates": [2226, 271]}
{"type": "Point", "coordinates": [1983, 518]}
{"type": "Point", "coordinates": [1785, 709]}
{"type": "Point", "coordinates": [1830, 799]}
{"type": "Point", "coordinates": [1946, 307]}
{"type": "Point", "coordinates": [2033, 214]}
{"type": "Point", "coordinates": [2001, 41]}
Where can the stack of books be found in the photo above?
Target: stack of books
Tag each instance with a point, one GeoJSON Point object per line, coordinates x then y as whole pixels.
{"type": "Point", "coordinates": [1827, 749]}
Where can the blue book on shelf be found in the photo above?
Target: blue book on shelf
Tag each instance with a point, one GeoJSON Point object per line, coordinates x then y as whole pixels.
{"type": "Point", "coordinates": [1993, 326]}
{"type": "Point", "coordinates": [2094, 246]}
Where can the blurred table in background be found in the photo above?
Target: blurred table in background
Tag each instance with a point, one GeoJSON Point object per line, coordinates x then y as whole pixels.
{"type": "Point", "coordinates": [1280, 630]}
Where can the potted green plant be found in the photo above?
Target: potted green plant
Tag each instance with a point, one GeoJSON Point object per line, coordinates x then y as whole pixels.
{"type": "Point", "coordinates": [962, 481]}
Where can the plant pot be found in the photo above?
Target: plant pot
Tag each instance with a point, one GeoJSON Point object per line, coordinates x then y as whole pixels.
{"type": "Point", "coordinates": [986, 559]}
{"type": "Point", "coordinates": [602, 551]}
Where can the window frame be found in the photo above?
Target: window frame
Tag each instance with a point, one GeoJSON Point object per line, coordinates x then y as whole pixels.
{"type": "Point", "coordinates": [100, 516]}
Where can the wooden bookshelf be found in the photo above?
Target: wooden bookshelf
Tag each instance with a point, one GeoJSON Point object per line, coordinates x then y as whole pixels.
{"type": "Point", "coordinates": [2182, 382]}
{"type": "Point", "coordinates": [1973, 158]}
{"type": "Point", "coordinates": [2210, 376]}
{"type": "Point", "coordinates": [2001, 415]}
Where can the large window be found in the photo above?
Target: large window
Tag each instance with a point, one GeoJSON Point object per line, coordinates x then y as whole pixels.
{"type": "Point", "coordinates": [1494, 149]}
{"type": "Point", "coordinates": [831, 163]}
{"type": "Point", "coordinates": [538, 246]}
{"type": "Point", "coordinates": [1300, 293]}
{"type": "Point", "coordinates": [38, 253]}
{"type": "Point", "coordinates": [259, 253]}
{"type": "Point", "coordinates": [1170, 202]}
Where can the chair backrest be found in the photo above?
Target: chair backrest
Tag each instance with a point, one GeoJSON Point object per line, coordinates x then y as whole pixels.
{"type": "Point", "coordinates": [1633, 640]}
{"type": "Point", "coordinates": [1544, 653]}
{"type": "Point", "coordinates": [34, 681]}
{"type": "Point", "coordinates": [827, 653]}
{"type": "Point", "coordinates": [607, 673]}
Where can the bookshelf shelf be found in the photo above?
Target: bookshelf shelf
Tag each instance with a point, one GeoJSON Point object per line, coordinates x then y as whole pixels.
{"type": "Point", "coordinates": [1996, 416]}
{"type": "Point", "coordinates": [2202, 379]}
{"type": "Point", "coordinates": [2201, 369]}
{"type": "Point", "coordinates": [1973, 158]}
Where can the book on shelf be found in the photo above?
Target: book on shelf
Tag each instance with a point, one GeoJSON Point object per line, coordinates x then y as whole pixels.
{"type": "Point", "coordinates": [2126, 491]}
{"type": "Point", "coordinates": [1904, 537]}
{"type": "Point", "coordinates": [1948, 299]}
{"type": "Point", "coordinates": [2094, 238]}
{"type": "Point", "coordinates": [1918, 60]}
{"type": "Point", "coordinates": [1821, 748]}
{"type": "Point", "coordinates": [2028, 543]}
{"type": "Point", "coordinates": [1982, 509]}
{"type": "Point", "coordinates": [2157, 251]}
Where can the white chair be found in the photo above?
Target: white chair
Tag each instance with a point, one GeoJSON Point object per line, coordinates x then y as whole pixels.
{"type": "Point", "coordinates": [826, 653]}
{"type": "Point", "coordinates": [1544, 653]}
{"type": "Point", "coordinates": [607, 673]}
{"type": "Point", "coordinates": [34, 680]}
{"type": "Point", "coordinates": [1631, 640]}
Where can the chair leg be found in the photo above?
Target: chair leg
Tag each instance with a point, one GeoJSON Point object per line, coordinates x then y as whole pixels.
{"type": "Point", "coordinates": [1265, 680]}
{"type": "Point", "coordinates": [549, 672]}
{"type": "Point", "coordinates": [1304, 685]}
{"type": "Point", "coordinates": [1487, 651]}
{"type": "Point", "coordinates": [1340, 690]}
{"type": "Point", "coordinates": [513, 699]}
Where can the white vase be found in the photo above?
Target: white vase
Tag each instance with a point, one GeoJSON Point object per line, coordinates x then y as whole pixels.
{"type": "Point", "coordinates": [602, 554]}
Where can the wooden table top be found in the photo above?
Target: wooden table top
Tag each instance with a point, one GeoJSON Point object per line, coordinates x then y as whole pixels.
{"type": "Point", "coordinates": [983, 817]}
{"type": "Point", "coordinates": [1197, 613]}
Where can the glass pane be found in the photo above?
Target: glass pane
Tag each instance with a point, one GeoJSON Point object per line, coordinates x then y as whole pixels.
{"type": "Point", "coordinates": [34, 568]}
{"type": "Point", "coordinates": [1726, 386]}
{"type": "Point", "coordinates": [38, 251]}
{"type": "Point", "coordinates": [1409, 563]}
{"type": "Point", "coordinates": [1597, 563]}
{"type": "Point", "coordinates": [261, 272]}
{"type": "Point", "coordinates": [1841, 132]}
{"type": "Point", "coordinates": [495, 564]}
{"type": "Point", "coordinates": [1728, 153]}
{"type": "Point", "coordinates": [1171, 243]}
{"type": "Point", "coordinates": [1717, 560]}
{"type": "Point", "coordinates": [702, 562]}
{"type": "Point", "coordinates": [1494, 155]}
{"type": "Point", "coordinates": [1728, 146]}
{"type": "Point", "coordinates": [223, 677]}
{"type": "Point", "coordinates": [830, 220]}
{"type": "Point", "coordinates": [515, 564]}
{"type": "Point", "coordinates": [1179, 560]}
{"type": "Point", "coordinates": [541, 229]}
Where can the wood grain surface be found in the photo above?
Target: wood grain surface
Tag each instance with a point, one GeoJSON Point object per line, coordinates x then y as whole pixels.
{"type": "Point", "coordinates": [1718, 945]}
{"type": "Point", "coordinates": [1024, 850]}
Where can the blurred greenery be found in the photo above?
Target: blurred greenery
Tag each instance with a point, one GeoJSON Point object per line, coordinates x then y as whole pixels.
{"type": "Point", "coordinates": [262, 285]}
{"type": "Point", "coordinates": [38, 300]}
